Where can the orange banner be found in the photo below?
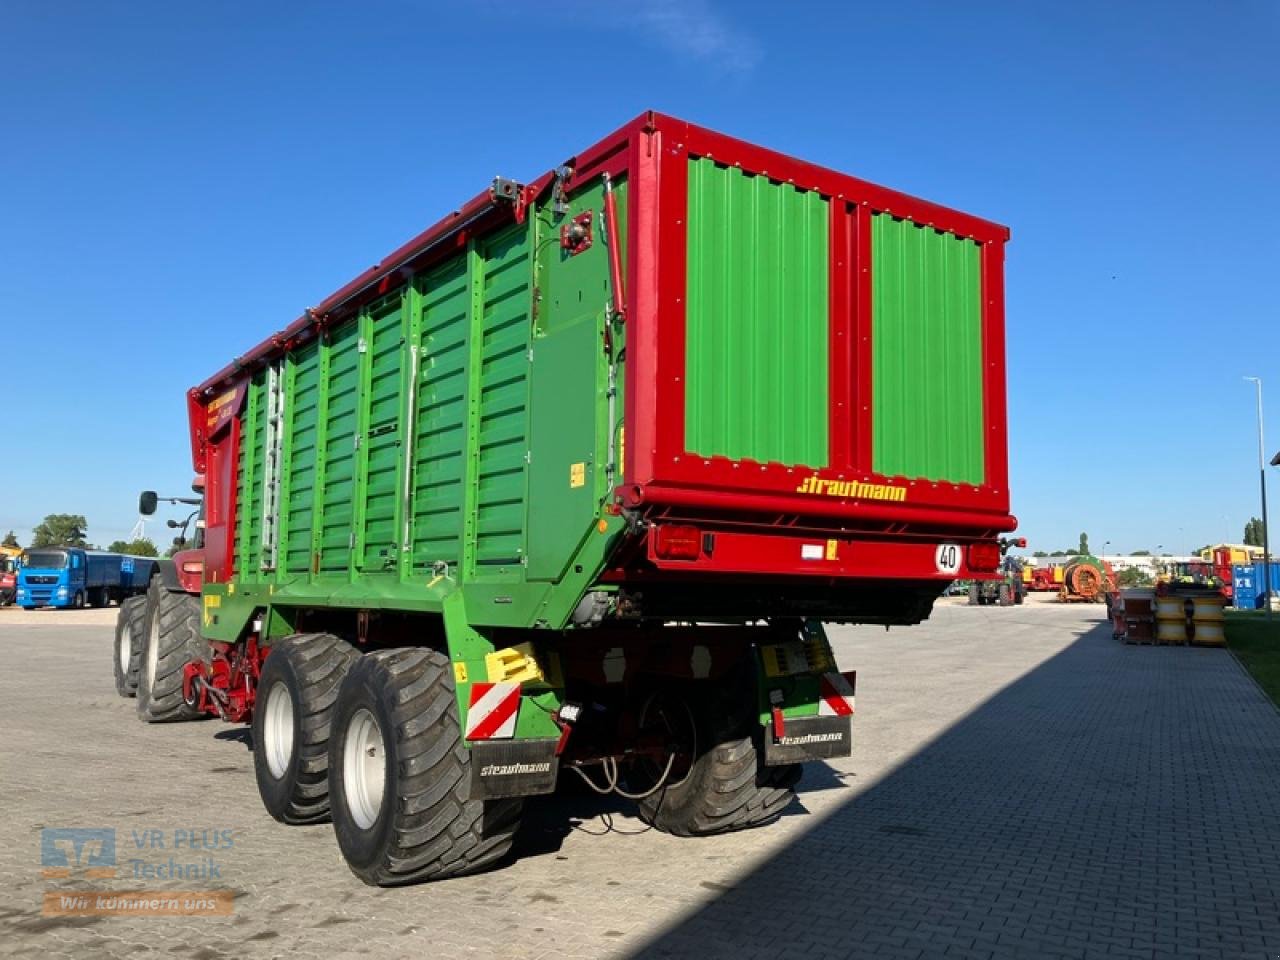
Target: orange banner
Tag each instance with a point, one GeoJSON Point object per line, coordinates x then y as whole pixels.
{"type": "Point", "coordinates": [138, 903]}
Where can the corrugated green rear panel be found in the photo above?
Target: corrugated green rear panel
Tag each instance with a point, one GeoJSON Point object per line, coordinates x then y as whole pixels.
{"type": "Point", "coordinates": [927, 347]}
{"type": "Point", "coordinates": [757, 330]}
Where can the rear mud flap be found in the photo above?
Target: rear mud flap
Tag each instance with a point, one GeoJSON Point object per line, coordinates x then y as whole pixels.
{"type": "Point", "coordinates": [513, 768]}
{"type": "Point", "coordinates": [808, 738]}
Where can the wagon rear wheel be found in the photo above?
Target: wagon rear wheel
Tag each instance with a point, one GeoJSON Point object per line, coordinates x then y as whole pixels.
{"type": "Point", "coordinates": [725, 787]}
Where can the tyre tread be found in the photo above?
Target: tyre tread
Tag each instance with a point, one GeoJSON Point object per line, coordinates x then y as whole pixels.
{"type": "Point", "coordinates": [179, 642]}
{"type": "Point", "coordinates": [438, 830]}
{"type": "Point", "coordinates": [320, 662]}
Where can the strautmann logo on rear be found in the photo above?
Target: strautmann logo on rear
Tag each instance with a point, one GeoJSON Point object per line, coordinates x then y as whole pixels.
{"type": "Point", "coordinates": [852, 488]}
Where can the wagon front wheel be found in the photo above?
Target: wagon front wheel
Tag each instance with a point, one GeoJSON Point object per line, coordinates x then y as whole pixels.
{"type": "Point", "coordinates": [400, 775]}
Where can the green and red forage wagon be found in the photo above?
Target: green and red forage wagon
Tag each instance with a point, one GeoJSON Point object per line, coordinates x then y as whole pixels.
{"type": "Point", "coordinates": [571, 481]}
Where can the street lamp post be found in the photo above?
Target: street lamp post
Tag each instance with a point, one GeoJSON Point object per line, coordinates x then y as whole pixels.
{"type": "Point", "coordinates": [1262, 480]}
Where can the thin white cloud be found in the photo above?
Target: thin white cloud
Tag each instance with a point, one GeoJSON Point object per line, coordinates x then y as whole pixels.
{"type": "Point", "coordinates": [694, 28]}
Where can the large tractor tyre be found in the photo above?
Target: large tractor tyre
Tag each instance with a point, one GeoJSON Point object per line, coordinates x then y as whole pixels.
{"type": "Point", "coordinates": [726, 787]}
{"type": "Point", "coordinates": [171, 640]}
{"type": "Point", "coordinates": [130, 629]}
{"type": "Point", "coordinates": [291, 722]}
{"type": "Point", "coordinates": [400, 776]}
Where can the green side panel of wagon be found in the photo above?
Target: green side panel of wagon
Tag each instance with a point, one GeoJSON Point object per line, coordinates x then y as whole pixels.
{"type": "Point", "coordinates": [249, 476]}
{"type": "Point", "coordinates": [498, 441]}
{"type": "Point", "coordinates": [440, 445]}
{"type": "Point", "coordinates": [298, 471]}
{"type": "Point", "coordinates": [927, 353]}
{"type": "Point", "coordinates": [402, 455]}
{"type": "Point", "coordinates": [757, 327]}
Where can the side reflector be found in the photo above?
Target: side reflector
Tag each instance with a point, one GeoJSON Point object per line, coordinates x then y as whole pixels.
{"type": "Point", "coordinates": [672, 542]}
{"type": "Point", "coordinates": [983, 557]}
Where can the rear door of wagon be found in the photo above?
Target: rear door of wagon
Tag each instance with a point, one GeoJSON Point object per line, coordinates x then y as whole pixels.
{"type": "Point", "coordinates": [822, 344]}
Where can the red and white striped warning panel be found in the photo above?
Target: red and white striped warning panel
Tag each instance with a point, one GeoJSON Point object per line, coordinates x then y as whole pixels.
{"type": "Point", "coordinates": [493, 709]}
{"type": "Point", "coordinates": [836, 695]}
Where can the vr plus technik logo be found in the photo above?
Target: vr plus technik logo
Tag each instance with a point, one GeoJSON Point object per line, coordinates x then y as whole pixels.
{"type": "Point", "coordinates": [84, 851]}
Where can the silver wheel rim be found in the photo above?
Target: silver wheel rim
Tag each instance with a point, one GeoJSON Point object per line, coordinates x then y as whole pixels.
{"type": "Point", "coordinates": [126, 648]}
{"type": "Point", "coordinates": [153, 649]}
{"type": "Point", "coordinates": [364, 768]}
{"type": "Point", "coordinates": [277, 730]}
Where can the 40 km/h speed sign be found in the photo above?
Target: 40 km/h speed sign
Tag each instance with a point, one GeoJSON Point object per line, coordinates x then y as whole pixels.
{"type": "Point", "coordinates": [947, 558]}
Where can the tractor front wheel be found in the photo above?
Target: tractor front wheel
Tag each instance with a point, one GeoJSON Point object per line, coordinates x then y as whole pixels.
{"type": "Point", "coordinates": [130, 629]}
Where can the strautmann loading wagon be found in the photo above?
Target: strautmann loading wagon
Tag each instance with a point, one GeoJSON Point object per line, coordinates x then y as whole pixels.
{"type": "Point", "coordinates": [571, 481]}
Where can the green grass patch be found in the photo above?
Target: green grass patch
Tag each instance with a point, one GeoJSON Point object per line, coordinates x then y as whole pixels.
{"type": "Point", "coordinates": [1257, 643]}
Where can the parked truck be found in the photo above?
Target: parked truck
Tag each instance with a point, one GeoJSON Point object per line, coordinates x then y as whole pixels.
{"type": "Point", "coordinates": [569, 483]}
{"type": "Point", "coordinates": [72, 577]}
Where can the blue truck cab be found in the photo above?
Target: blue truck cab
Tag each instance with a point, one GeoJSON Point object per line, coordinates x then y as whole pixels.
{"type": "Point", "coordinates": [72, 577]}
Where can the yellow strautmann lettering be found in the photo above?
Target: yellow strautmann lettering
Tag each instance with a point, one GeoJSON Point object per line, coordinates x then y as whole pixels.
{"type": "Point", "coordinates": [852, 488]}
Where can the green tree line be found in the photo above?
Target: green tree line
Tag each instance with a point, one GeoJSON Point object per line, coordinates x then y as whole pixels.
{"type": "Point", "coordinates": [71, 530]}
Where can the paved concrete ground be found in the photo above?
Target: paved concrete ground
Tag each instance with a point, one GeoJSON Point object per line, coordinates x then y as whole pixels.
{"type": "Point", "coordinates": [1021, 786]}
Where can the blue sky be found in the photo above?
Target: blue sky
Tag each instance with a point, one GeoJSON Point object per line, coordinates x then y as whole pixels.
{"type": "Point", "coordinates": [180, 180]}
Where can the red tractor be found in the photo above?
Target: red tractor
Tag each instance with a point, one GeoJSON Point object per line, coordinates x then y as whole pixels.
{"type": "Point", "coordinates": [158, 634]}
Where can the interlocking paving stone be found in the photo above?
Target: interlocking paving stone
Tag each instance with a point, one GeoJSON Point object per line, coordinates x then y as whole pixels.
{"type": "Point", "coordinates": [1021, 786]}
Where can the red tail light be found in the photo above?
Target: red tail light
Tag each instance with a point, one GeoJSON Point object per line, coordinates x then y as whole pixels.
{"type": "Point", "coordinates": [673, 542]}
{"type": "Point", "coordinates": [983, 557]}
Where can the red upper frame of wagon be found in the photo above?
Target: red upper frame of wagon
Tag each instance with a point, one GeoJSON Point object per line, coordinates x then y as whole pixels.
{"type": "Point", "coordinates": [652, 152]}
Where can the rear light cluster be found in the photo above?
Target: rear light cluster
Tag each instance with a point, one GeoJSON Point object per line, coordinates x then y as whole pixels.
{"type": "Point", "coordinates": [677, 542]}
{"type": "Point", "coordinates": [983, 557]}
{"type": "Point", "coordinates": [193, 567]}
